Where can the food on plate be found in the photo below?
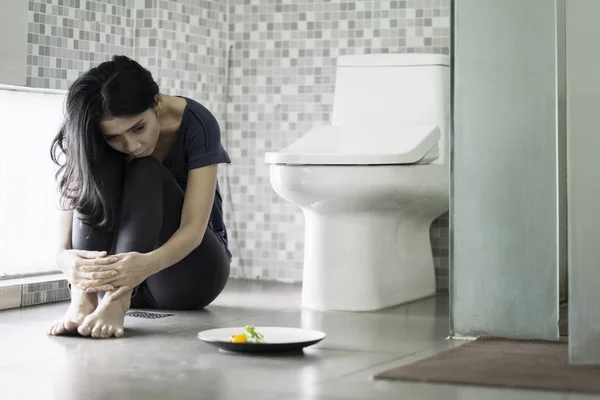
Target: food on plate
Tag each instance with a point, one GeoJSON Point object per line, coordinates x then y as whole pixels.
{"type": "Point", "coordinates": [248, 336]}
{"type": "Point", "coordinates": [240, 338]}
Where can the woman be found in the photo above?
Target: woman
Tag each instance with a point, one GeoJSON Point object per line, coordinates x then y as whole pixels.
{"type": "Point", "coordinates": [143, 225]}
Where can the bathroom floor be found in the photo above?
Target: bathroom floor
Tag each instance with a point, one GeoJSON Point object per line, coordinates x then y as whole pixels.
{"type": "Point", "coordinates": [162, 358]}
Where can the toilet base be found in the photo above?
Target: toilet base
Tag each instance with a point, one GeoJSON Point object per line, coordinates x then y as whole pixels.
{"type": "Point", "coordinates": [366, 261]}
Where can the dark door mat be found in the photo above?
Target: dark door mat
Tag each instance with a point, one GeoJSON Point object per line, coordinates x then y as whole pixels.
{"type": "Point", "coordinates": [146, 315]}
{"type": "Point", "coordinates": [505, 363]}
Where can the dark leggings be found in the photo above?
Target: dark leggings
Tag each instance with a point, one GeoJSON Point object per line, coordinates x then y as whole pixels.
{"type": "Point", "coordinates": [148, 203]}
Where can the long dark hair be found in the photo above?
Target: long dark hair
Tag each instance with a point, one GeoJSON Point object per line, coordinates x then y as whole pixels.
{"type": "Point", "coordinates": [117, 88]}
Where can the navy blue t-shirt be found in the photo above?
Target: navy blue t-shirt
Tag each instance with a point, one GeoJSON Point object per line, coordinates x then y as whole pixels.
{"type": "Point", "coordinates": [198, 144]}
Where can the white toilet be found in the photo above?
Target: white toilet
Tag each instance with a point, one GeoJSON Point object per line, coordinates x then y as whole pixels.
{"type": "Point", "coordinates": [371, 184]}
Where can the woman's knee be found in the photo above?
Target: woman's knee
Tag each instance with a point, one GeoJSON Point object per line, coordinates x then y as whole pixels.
{"type": "Point", "coordinates": [143, 170]}
{"type": "Point", "coordinates": [203, 285]}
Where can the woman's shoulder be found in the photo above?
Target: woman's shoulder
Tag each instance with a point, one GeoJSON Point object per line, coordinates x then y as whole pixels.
{"type": "Point", "coordinates": [196, 110]}
{"type": "Point", "coordinates": [202, 136]}
{"type": "Point", "coordinates": [199, 120]}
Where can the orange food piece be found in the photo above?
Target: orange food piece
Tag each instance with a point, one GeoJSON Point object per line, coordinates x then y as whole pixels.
{"type": "Point", "coordinates": [238, 338]}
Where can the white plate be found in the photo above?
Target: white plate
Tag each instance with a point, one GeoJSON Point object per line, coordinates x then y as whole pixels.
{"type": "Point", "coordinates": [277, 340]}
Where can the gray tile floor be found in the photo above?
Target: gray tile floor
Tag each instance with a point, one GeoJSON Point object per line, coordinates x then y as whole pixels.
{"type": "Point", "coordinates": [162, 358]}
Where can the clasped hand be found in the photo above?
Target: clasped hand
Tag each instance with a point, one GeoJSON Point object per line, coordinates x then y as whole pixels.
{"type": "Point", "coordinates": [122, 271]}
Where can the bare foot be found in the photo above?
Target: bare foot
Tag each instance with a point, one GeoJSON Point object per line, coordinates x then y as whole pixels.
{"type": "Point", "coordinates": [82, 305]}
{"type": "Point", "coordinates": [107, 320]}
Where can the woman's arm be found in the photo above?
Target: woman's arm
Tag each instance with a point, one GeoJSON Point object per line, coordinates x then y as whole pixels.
{"type": "Point", "coordinates": [197, 206]}
{"type": "Point", "coordinates": [65, 230]}
{"type": "Point", "coordinates": [70, 262]}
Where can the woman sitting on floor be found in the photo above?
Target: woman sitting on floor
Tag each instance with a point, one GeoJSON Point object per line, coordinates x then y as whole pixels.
{"type": "Point", "coordinates": [143, 225]}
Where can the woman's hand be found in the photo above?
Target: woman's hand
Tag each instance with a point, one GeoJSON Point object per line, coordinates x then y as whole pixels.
{"type": "Point", "coordinates": [73, 264]}
{"type": "Point", "coordinates": [132, 269]}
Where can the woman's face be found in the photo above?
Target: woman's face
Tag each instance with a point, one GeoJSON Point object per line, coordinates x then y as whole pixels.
{"type": "Point", "coordinates": [135, 136]}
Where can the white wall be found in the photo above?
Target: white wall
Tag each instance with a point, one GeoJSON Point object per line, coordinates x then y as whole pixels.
{"type": "Point", "coordinates": [28, 195]}
{"type": "Point", "coordinates": [583, 136]}
{"type": "Point", "coordinates": [13, 42]}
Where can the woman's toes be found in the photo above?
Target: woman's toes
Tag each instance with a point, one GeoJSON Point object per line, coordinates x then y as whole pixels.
{"type": "Point", "coordinates": [104, 331]}
{"type": "Point", "coordinates": [84, 329]}
{"type": "Point", "coordinates": [96, 331]}
{"type": "Point", "coordinates": [119, 332]}
{"type": "Point", "coordinates": [68, 326]}
{"type": "Point", "coordinates": [57, 329]}
{"type": "Point", "coordinates": [110, 331]}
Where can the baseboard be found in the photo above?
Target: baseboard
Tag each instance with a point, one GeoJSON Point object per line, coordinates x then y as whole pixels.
{"type": "Point", "coordinates": [23, 292]}
{"type": "Point", "coordinates": [15, 293]}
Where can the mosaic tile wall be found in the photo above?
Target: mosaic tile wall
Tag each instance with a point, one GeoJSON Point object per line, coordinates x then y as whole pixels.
{"type": "Point", "coordinates": [281, 83]}
{"type": "Point", "coordinates": [184, 44]}
{"type": "Point", "coordinates": [69, 36]}
{"type": "Point", "coordinates": [47, 292]}
{"type": "Point", "coordinates": [283, 73]}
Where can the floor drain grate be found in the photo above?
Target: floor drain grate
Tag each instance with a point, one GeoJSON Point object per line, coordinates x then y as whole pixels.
{"type": "Point", "coordinates": [147, 315]}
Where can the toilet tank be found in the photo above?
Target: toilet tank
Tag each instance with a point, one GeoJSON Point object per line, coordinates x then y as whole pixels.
{"type": "Point", "coordinates": [403, 89]}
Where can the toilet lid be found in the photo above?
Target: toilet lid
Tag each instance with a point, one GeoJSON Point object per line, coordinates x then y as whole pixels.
{"type": "Point", "coordinates": [359, 145]}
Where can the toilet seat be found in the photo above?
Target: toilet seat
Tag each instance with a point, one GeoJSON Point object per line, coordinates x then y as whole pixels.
{"type": "Point", "coordinates": [354, 145]}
